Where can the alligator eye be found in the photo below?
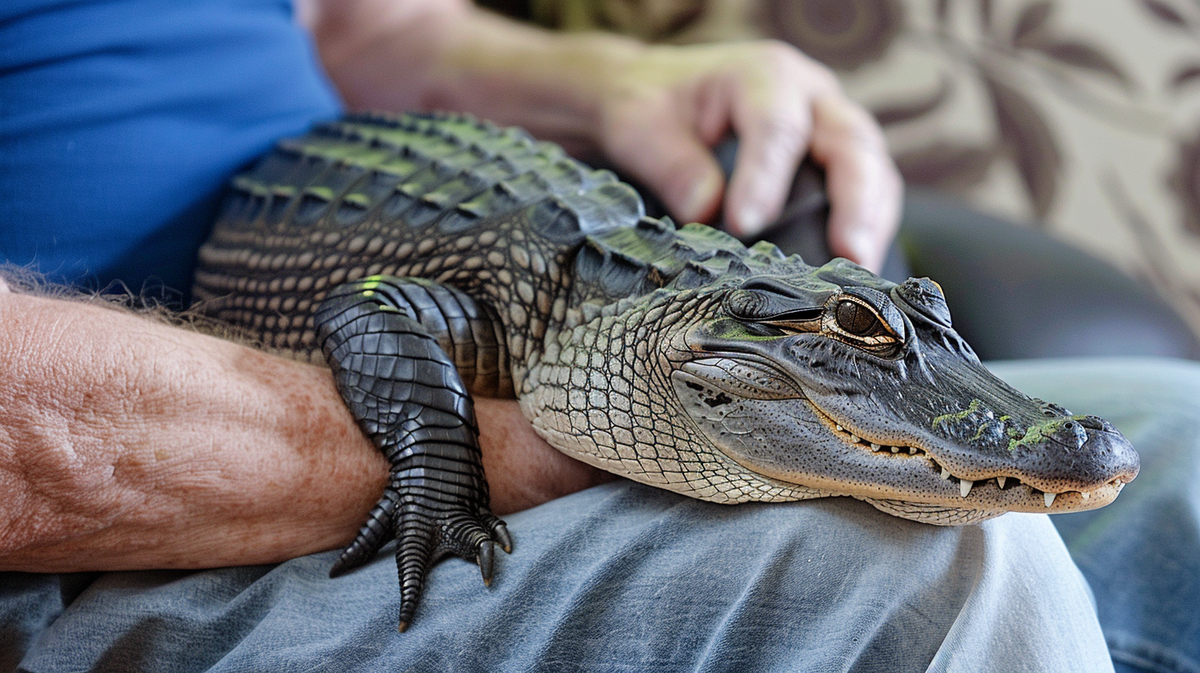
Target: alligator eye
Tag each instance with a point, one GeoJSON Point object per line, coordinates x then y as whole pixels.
{"type": "Point", "coordinates": [858, 320]}
{"type": "Point", "coordinates": [852, 321]}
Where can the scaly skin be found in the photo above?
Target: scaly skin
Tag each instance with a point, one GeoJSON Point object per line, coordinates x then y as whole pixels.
{"type": "Point", "coordinates": [678, 358]}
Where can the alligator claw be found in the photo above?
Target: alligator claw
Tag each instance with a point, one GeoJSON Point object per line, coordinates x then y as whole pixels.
{"type": "Point", "coordinates": [486, 558]}
{"type": "Point", "coordinates": [424, 537]}
{"type": "Point", "coordinates": [500, 534]}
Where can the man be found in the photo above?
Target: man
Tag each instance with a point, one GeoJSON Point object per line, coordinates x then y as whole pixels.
{"type": "Point", "coordinates": [128, 444]}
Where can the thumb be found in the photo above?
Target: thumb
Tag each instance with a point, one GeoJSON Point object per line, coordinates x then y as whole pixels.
{"type": "Point", "coordinates": [677, 167]}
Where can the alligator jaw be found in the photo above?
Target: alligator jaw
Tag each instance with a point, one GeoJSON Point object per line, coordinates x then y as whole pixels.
{"type": "Point", "coordinates": [976, 499]}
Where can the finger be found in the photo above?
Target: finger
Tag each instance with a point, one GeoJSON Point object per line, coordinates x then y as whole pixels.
{"type": "Point", "coordinates": [672, 162]}
{"type": "Point", "coordinates": [865, 189]}
{"type": "Point", "coordinates": [773, 124]}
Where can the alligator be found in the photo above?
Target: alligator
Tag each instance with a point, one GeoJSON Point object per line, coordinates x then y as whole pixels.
{"type": "Point", "coordinates": [427, 258]}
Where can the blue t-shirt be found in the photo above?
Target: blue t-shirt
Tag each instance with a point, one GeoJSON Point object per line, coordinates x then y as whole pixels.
{"type": "Point", "coordinates": [121, 120]}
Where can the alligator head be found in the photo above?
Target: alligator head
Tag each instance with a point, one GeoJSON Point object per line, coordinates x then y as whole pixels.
{"type": "Point", "coordinates": [838, 381]}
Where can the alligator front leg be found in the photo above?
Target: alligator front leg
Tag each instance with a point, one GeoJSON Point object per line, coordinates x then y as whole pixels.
{"type": "Point", "coordinates": [408, 397]}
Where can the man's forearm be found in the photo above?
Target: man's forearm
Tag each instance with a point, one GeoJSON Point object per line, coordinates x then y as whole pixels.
{"type": "Point", "coordinates": [437, 54]}
{"type": "Point", "coordinates": [128, 443]}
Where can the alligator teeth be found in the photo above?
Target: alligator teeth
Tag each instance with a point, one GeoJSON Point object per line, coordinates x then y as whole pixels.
{"type": "Point", "coordinates": [945, 473]}
{"type": "Point", "coordinates": [964, 487]}
{"type": "Point", "coordinates": [912, 450]}
{"type": "Point", "coordinates": [1049, 498]}
{"type": "Point", "coordinates": [875, 447]}
{"type": "Point", "coordinates": [1085, 495]}
{"type": "Point", "coordinates": [895, 449]}
{"type": "Point", "coordinates": [839, 428]}
{"type": "Point", "coordinates": [1000, 481]}
{"type": "Point", "coordinates": [1120, 485]}
{"type": "Point", "coordinates": [854, 438]}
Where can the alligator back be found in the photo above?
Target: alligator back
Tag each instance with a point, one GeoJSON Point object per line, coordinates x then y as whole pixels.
{"type": "Point", "coordinates": [447, 198]}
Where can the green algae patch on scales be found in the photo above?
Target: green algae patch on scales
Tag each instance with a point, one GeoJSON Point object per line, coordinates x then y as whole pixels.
{"type": "Point", "coordinates": [1039, 431]}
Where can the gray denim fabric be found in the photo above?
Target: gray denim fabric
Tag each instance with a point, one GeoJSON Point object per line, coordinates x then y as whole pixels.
{"type": "Point", "coordinates": [624, 577]}
{"type": "Point", "coordinates": [1142, 554]}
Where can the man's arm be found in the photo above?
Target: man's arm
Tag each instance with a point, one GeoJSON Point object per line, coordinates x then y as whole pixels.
{"type": "Point", "coordinates": [128, 443]}
{"type": "Point", "coordinates": [653, 110]}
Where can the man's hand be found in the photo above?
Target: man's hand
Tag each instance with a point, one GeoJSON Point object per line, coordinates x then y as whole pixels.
{"type": "Point", "coordinates": [654, 110]}
{"type": "Point", "coordinates": [663, 111]}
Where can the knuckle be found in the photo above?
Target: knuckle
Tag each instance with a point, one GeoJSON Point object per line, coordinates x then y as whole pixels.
{"type": "Point", "coordinates": [824, 79]}
{"type": "Point", "coordinates": [786, 135]}
{"type": "Point", "coordinates": [821, 77]}
{"type": "Point", "coordinates": [858, 129]}
{"type": "Point", "coordinates": [679, 177]}
{"type": "Point", "coordinates": [784, 125]}
{"type": "Point", "coordinates": [786, 61]}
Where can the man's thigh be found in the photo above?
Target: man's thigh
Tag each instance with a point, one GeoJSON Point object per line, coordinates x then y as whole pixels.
{"type": "Point", "coordinates": [1141, 554]}
{"type": "Point", "coordinates": [619, 577]}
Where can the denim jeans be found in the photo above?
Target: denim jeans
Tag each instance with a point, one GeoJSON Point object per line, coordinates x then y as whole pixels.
{"type": "Point", "coordinates": [623, 577]}
{"type": "Point", "coordinates": [1141, 555]}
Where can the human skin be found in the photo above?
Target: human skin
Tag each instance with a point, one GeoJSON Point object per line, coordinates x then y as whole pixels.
{"type": "Point", "coordinates": [129, 443]}
{"type": "Point", "coordinates": [654, 111]}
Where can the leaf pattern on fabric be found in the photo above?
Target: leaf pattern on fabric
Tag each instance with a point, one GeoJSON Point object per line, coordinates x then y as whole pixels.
{"type": "Point", "coordinates": [943, 11]}
{"type": "Point", "coordinates": [1082, 55]}
{"type": "Point", "coordinates": [843, 34]}
{"type": "Point", "coordinates": [1164, 12]}
{"type": "Point", "coordinates": [908, 110]}
{"type": "Point", "coordinates": [948, 166]}
{"type": "Point", "coordinates": [985, 15]}
{"type": "Point", "coordinates": [1029, 141]}
{"type": "Point", "coordinates": [1032, 18]}
{"type": "Point", "coordinates": [1185, 182]}
{"type": "Point", "coordinates": [649, 20]}
{"type": "Point", "coordinates": [1188, 75]}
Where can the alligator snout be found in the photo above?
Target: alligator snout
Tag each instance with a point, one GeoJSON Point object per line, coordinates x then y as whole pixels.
{"type": "Point", "coordinates": [1045, 447]}
{"type": "Point", "coordinates": [1109, 447]}
{"type": "Point", "coordinates": [1093, 453]}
